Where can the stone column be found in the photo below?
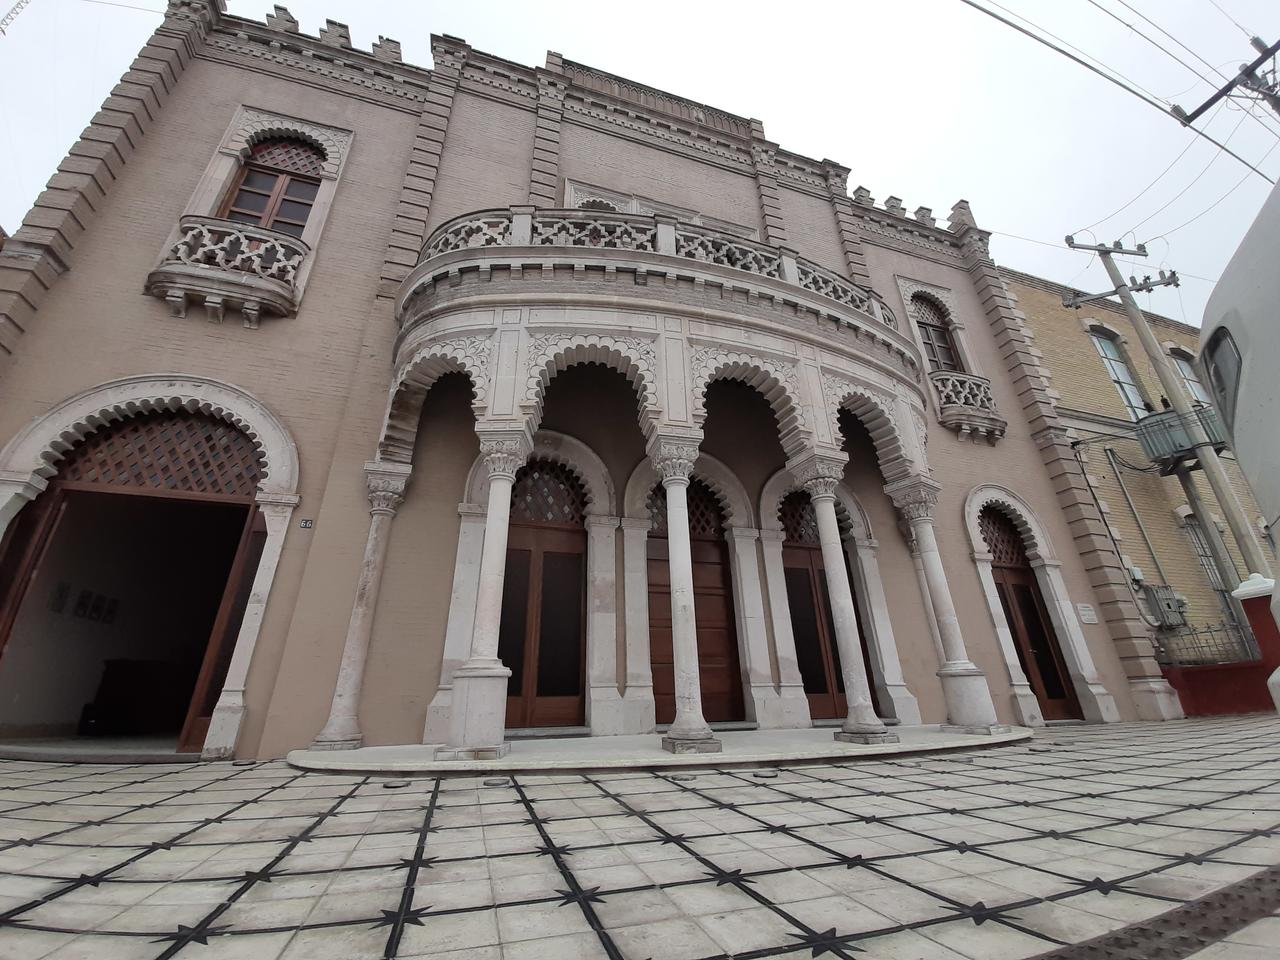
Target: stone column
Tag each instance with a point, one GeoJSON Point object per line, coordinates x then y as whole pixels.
{"type": "Point", "coordinates": [861, 725]}
{"type": "Point", "coordinates": [637, 698]}
{"type": "Point", "coordinates": [882, 645]}
{"type": "Point", "coordinates": [794, 704]}
{"type": "Point", "coordinates": [478, 721]}
{"type": "Point", "coordinates": [753, 641]}
{"type": "Point", "coordinates": [386, 483]}
{"type": "Point", "coordinates": [604, 703]}
{"type": "Point", "coordinates": [964, 686]}
{"type": "Point", "coordinates": [689, 733]}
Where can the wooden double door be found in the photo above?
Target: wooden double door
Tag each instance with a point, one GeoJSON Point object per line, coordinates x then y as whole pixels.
{"type": "Point", "coordinates": [813, 627]}
{"type": "Point", "coordinates": [1039, 653]}
{"type": "Point", "coordinates": [542, 639]}
{"type": "Point", "coordinates": [719, 668]}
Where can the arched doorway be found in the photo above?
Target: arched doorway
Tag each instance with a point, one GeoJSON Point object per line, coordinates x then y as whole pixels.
{"type": "Point", "coordinates": [1039, 653]}
{"type": "Point", "coordinates": [718, 667]}
{"type": "Point", "coordinates": [542, 639]}
{"type": "Point", "coordinates": [809, 603]}
{"type": "Point", "coordinates": [124, 584]}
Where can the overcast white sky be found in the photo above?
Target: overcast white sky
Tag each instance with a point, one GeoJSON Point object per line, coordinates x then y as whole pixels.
{"type": "Point", "coordinates": [926, 100]}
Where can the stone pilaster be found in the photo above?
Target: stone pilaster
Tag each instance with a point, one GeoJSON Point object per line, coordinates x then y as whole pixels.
{"type": "Point", "coordinates": [409, 228]}
{"type": "Point", "coordinates": [764, 162]}
{"type": "Point", "coordinates": [544, 173]}
{"type": "Point", "coordinates": [846, 222]}
{"type": "Point", "coordinates": [41, 248]}
{"type": "Point", "coordinates": [1153, 697]}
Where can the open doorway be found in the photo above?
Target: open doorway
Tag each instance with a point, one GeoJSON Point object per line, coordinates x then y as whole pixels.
{"type": "Point", "coordinates": [123, 585]}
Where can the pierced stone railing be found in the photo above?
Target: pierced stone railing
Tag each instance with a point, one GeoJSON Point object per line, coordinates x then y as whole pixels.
{"type": "Point", "coordinates": [965, 404]}
{"type": "Point", "coordinates": [527, 226]}
{"type": "Point", "coordinates": [221, 264]}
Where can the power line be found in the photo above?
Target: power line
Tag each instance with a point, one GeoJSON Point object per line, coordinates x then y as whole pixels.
{"type": "Point", "coordinates": [1213, 205]}
{"type": "Point", "coordinates": [1127, 88]}
{"type": "Point", "coordinates": [1231, 18]}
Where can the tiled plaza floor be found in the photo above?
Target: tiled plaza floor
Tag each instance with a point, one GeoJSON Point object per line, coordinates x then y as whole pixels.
{"type": "Point", "coordinates": [1011, 852]}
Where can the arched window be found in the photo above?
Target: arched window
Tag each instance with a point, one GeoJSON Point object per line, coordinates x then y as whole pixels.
{"type": "Point", "coordinates": [1223, 364]}
{"type": "Point", "coordinates": [1113, 359]}
{"type": "Point", "coordinates": [277, 185]}
{"type": "Point", "coordinates": [935, 332]}
{"type": "Point", "coordinates": [1187, 368]}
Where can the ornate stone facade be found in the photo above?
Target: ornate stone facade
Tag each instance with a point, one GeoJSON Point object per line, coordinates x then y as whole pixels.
{"type": "Point", "coordinates": [446, 336]}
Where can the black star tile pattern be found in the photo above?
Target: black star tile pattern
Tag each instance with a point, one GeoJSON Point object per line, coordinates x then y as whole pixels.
{"type": "Point", "coordinates": [1160, 839]}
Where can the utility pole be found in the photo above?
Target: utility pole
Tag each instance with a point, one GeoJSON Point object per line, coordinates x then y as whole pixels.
{"type": "Point", "coordinates": [1248, 77]}
{"type": "Point", "coordinates": [1175, 391]}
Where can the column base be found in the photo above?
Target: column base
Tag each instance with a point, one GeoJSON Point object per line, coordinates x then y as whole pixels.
{"type": "Point", "coordinates": [350, 743]}
{"type": "Point", "coordinates": [478, 720]}
{"type": "Point", "coordinates": [680, 745]}
{"type": "Point", "coordinates": [606, 715]}
{"type": "Point", "coordinates": [638, 709]}
{"type": "Point", "coordinates": [473, 753]}
{"type": "Point", "coordinates": [436, 727]}
{"type": "Point", "coordinates": [787, 709]}
{"type": "Point", "coordinates": [1273, 687]}
{"type": "Point", "coordinates": [906, 710]}
{"type": "Point", "coordinates": [844, 737]}
{"type": "Point", "coordinates": [979, 730]}
{"type": "Point", "coordinates": [1026, 707]}
{"type": "Point", "coordinates": [964, 687]}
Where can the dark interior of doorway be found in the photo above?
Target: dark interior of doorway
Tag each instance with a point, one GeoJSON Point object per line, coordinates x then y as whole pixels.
{"type": "Point", "coordinates": [110, 632]}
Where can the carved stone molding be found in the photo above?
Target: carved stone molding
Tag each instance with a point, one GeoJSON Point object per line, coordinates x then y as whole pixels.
{"type": "Point", "coordinates": [252, 125]}
{"type": "Point", "coordinates": [718, 362]}
{"type": "Point", "coordinates": [914, 497]}
{"type": "Point", "coordinates": [385, 484]}
{"type": "Point", "coordinates": [673, 458]}
{"type": "Point", "coordinates": [505, 452]}
{"type": "Point", "coordinates": [470, 353]}
{"type": "Point", "coordinates": [819, 475]}
{"type": "Point", "coordinates": [635, 358]}
{"type": "Point", "coordinates": [909, 288]}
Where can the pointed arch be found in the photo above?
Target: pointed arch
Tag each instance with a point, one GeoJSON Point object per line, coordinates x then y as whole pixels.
{"type": "Point", "coordinates": [552, 353]}
{"type": "Point", "coordinates": [777, 382]}
{"type": "Point", "coordinates": [876, 412]}
{"type": "Point", "coordinates": [853, 519]}
{"type": "Point", "coordinates": [416, 377]}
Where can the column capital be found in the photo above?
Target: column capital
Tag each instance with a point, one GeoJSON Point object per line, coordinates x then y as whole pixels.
{"type": "Point", "coordinates": [636, 523]}
{"type": "Point", "coordinates": [818, 473]}
{"type": "Point", "coordinates": [385, 483]}
{"type": "Point", "coordinates": [602, 521]}
{"type": "Point", "coordinates": [741, 533]}
{"type": "Point", "coordinates": [673, 456]}
{"type": "Point", "coordinates": [915, 497]}
{"type": "Point", "coordinates": [505, 451]}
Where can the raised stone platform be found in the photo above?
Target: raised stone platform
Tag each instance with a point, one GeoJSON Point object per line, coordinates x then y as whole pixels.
{"type": "Point", "coordinates": [644, 752]}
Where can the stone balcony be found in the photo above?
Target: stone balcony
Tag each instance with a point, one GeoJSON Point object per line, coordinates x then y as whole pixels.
{"type": "Point", "coordinates": [227, 265]}
{"type": "Point", "coordinates": [965, 405]}
{"type": "Point", "coordinates": [671, 259]}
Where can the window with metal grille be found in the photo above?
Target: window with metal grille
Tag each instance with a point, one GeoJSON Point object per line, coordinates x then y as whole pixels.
{"type": "Point", "coordinates": [548, 492]}
{"type": "Point", "coordinates": [277, 186]}
{"type": "Point", "coordinates": [1200, 543]}
{"type": "Point", "coordinates": [1121, 375]}
{"type": "Point", "coordinates": [706, 521]}
{"type": "Point", "coordinates": [1187, 367]}
{"type": "Point", "coordinates": [799, 521]}
{"type": "Point", "coordinates": [935, 333]}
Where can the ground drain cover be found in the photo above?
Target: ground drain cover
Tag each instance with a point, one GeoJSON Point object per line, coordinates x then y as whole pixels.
{"type": "Point", "coordinates": [765, 774]}
{"type": "Point", "coordinates": [497, 782]}
{"type": "Point", "coordinates": [682, 777]}
{"type": "Point", "coordinates": [243, 763]}
{"type": "Point", "coordinates": [395, 784]}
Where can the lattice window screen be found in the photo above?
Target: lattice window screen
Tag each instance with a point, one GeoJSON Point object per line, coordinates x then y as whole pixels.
{"type": "Point", "coordinates": [173, 450]}
{"type": "Point", "coordinates": [290, 155]}
{"type": "Point", "coordinates": [1002, 538]}
{"type": "Point", "coordinates": [706, 522]}
{"type": "Point", "coordinates": [548, 492]}
{"type": "Point", "coordinates": [799, 521]}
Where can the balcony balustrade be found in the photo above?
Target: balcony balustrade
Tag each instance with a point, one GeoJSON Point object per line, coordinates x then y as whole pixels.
{"type": "Point", "coordinates": [224, 264]}
{"type": "Point", "coordinates": [965, 405]}
{"type": "Point", "coordinates": [662, 235]}
{"type": "Point", "coordinates": [1167, 437]}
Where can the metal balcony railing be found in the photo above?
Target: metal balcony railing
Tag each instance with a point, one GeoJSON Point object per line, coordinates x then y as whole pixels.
{"type": "Point", "coordinates": [1167, 436]}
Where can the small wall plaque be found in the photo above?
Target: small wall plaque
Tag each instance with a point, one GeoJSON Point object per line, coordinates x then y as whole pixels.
{"type": "Point", "coordinates": [306, 524]}
{"type": "Point", "coordinates": [1087, 613]}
